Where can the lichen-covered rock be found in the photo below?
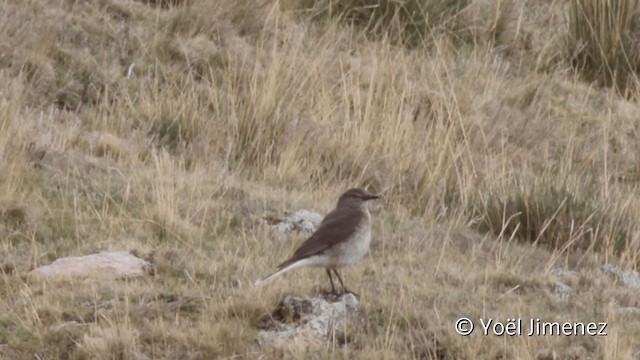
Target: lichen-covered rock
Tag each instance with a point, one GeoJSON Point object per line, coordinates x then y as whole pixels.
{"type": "Point", "coordinates": [303, 322]}
{"type": "Point", "coordinates": [109, 264]}
{"type": "Point", "coordinates": [303, 221]}
{"type": "Point", "coordinates": [628, 278]}
{"type": "Point", "coordinates": [562, 291]}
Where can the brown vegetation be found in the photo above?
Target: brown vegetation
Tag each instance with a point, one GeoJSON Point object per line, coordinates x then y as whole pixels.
{"type": "Point", "coordinates": [171, 128]}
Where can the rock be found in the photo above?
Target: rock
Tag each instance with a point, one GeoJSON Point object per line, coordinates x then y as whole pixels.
{"type": "Point", "coordinates": [303, 221]}
{"type": "Point", "coordinates": [305, 322]}
{"type": "Point", "coordinates": [562, 291]}
{"type": "Point", "coordinates": [628, 311]}
{"type": "Point", "coordinates": [629, 278]}
{"type": "Point", "coordinates": [564, 273]}
{"type": "Point", "coordinates": [109, 264]}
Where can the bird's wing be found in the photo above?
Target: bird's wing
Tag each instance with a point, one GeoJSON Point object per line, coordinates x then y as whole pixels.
{"type": "Point", "coordinates": [336, 227]}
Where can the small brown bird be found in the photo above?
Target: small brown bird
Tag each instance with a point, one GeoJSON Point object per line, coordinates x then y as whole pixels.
{"type": "Point", "coordinates": [342, 239]}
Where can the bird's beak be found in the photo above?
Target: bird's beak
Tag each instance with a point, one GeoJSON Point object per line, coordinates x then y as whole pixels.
{"type": "Point", "coordinates": [371, 197]}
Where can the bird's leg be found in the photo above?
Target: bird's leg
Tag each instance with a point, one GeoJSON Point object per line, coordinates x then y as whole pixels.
{"type": "Point", "coordinates": [344, 289]}
{"type": "Point", "coordinates": [333, 288]}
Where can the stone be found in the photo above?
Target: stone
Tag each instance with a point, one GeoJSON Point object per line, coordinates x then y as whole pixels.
{"type": "Point", "coordinates": [303, 221]}
{"type": "Point", "coordinates": [563, 273]}
{"type": "Point", "coordinates": [108, 264]}
{"type": "Point", "coordinates": [628, 311]}
{"type": "Point", "coordinates": [562, 291]}
{"type": "Point", "coordinates": [303, 322]}
{"type": "Point", "coordinates": [628, 278]}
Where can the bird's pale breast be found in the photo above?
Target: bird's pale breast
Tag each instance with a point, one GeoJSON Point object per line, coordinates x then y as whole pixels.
{"type": "Point", "coordinates": [356, 247]}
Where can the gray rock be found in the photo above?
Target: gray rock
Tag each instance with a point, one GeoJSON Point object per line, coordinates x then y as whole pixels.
{"type": "Point", "coordinates": [302, 322]}
{"type": "Point", "coordinates": [109, 264]}
{"type": "Point", "coordinates": [628, 310]}
{"type": "Point", "coordinates": [303, 221]}
{"type": "Point", "coordinates": [563, 273]}
{"type": "Point", "coordinates": [628, 278]}
{"type": "Point", "coordinates": [562, 291]}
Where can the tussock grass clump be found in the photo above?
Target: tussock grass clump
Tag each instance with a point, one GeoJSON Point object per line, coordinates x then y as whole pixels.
{"type": "Point", "coordinates": [406, 22]}
{"type": "Point", "coordinates": [173, 128]}
{"type": "Point", "coordinates": [418, 22]}
{"type": "Point", "coordinates": [558, 213]}
{"type": "Point", "coordinates": [494, 23]}
{"type": "Point", "coordinates": [604, 41]}
{"type": "Point", "coordinates": [13, 210]}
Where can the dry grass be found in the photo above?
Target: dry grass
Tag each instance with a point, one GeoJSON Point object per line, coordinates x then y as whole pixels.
{"type": "Point", "coordinates": [171, 128]}
{"type": "Point", "coordinates": [605, 41]}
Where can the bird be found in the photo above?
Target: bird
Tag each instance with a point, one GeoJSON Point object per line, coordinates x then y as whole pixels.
{"type": "Point", "coordinates": [342, 239]}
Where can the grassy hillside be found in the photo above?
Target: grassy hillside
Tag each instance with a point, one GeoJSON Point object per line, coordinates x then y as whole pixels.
{"type": "Point", "coordinates": [503, 136]}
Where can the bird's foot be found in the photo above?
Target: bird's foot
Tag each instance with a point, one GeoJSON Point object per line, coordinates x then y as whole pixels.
{"type": "Point", "coordinates": [331, 295]}
{"type": "Point", "coordinates": [347, 291]}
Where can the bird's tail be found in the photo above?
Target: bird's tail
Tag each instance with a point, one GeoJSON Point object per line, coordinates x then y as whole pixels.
{"type": "Point", "coordinates": [270, 277]}
{"type": "Point", "coordinates": [283, 268]}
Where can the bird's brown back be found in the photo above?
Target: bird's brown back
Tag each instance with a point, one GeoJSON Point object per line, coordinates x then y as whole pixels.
{"type": "Point", "coordinates": [335, 228]}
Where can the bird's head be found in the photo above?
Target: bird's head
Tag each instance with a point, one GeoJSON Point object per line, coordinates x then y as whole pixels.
{"type": "Point", "coordinates": [356, 196]}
